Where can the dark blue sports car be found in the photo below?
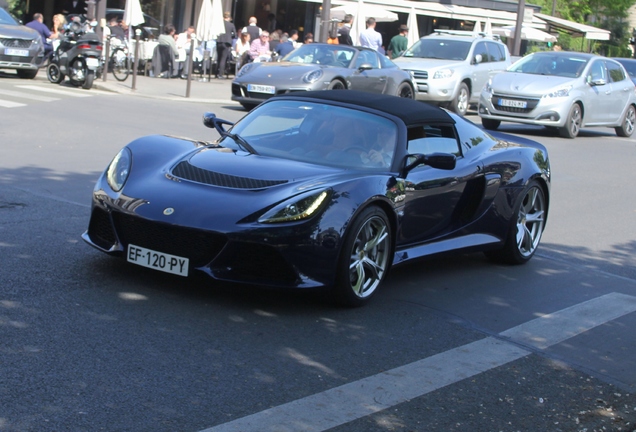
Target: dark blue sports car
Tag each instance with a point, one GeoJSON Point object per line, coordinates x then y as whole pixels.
{"type": "Point", "coordinates": [322, 189]}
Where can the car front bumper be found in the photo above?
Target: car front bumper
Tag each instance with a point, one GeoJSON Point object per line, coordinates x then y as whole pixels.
{"type": "Point", "coordinates": [521, 109]}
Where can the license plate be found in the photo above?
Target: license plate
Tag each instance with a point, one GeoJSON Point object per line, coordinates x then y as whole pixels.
{"type": "Point", "coordinates": [157, 260]}
{"type": "Point", "coordinates": [257, 88]}
{"type": "Point", "coordinates": [92, 63]}
{"type": "Point", "coordinates": [16, 52]}
{"type": "Point", "coordinates": [513, 103]}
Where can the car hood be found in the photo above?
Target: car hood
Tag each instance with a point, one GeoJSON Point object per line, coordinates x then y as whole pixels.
{"type": "Point", "coordinates": [528, 84]}
{"type": "Point", "coordinates": [425, 63]}
{"type": "Point", "coordinates": [279, 72]}
{"type": "Point", "coordinates": [18, 32]}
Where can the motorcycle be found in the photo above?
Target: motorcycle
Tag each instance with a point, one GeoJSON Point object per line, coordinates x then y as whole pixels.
{"type": "Point", "coordinates": [78, 55]}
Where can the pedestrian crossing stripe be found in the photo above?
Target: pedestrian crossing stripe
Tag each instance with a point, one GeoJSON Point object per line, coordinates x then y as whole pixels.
{"type": "Point", "coordinates": [10, 104]}
{"type": "Point", "coordinates": [25, 95]}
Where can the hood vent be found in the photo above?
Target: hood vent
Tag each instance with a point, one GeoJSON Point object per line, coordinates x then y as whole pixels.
{"type": "Point", "coordinates": [187, 171]}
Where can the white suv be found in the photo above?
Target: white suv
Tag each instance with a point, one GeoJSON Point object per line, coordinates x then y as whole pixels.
{"type": "Point", "coordinates": [450, 68]}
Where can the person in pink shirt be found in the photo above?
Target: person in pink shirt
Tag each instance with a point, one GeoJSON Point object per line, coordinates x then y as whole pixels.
{"type": "Point", "coordinates": [259, 49]}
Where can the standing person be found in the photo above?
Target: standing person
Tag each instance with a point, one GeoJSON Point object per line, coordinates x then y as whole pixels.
{"type": "Point", "coordinates": [370, 38]}
{"type": "Point", "coordinates": [399, 43]}
{"type": "Point", "coordinates": [38, 25]}
{"type": "Point", "coordinates": [293, 37]}
{"type": "Point", "coordinates": [224, 44]}
{"type": "Point", "coordinates": [344, 32]}
{"type": "Point", "coordinates": [254, 30]}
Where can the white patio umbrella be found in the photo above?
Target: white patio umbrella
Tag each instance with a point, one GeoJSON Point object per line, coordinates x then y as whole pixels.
{"type": "Point", "coordinates": [210, 21]}
{"type": "Point", "coordinates": [527, 33]}
{"type": "Point", "coordinates": [132, 13]}
{"type": "Point", "coordinates": [133, 16]}
{"type": "Point", "coordinates": [477, 27]}
{"type": "Point", "coordinates": [414, 33]}
{"type": "Point", "coordinates": [488, 26]}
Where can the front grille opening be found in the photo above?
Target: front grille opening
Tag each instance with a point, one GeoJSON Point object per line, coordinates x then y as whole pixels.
{"type": "Point", "coordinates": [187, 171]}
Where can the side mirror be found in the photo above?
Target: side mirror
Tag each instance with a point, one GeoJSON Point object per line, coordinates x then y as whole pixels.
{"type": "Point", "coordinates": [365, 66]}
{"type": "Point", "coordinates": [478, 59]}
{"type": "Point", "coordinates": [597, 82]}
{"type": "Point", "coordinates": [444, 161]}
{"type": "Point", "coordinates": [212, 121]}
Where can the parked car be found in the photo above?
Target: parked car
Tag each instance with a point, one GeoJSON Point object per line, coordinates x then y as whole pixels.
{"type": "Point", "coordinates": [630, 66]}
{"type": "Point", "coordinates": [322, 189]}
{"type": "Point", "coordinates": [451, 67]}
{"type": "Point", "coordinates": [320, 66]}
{"type": "Point", "coordinates": [150, 29]}
{"type": "Point", "coordinates": [564, 90]}
{"type": "Point", "coordinates": [21, 47]}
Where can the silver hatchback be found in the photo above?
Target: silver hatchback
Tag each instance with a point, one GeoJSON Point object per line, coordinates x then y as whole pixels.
{"type": "Point", "coordinates": [21, 47]}
{"type": "Point", "coordinates": [564, 90]}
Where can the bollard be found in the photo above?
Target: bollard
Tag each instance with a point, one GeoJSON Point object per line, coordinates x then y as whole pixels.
{"type": "Point", "coordinates": [106, 59]}
{"type": "Point", "coordinates": [134, 78]}
{"type": "Point", "coordinates": [190, 68]}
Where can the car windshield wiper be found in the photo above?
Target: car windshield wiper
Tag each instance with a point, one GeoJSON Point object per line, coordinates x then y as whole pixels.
{"type": "Point", "coordinates": [241, 142]}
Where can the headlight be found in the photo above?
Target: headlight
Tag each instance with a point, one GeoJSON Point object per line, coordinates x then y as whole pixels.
{"type": "Point", "coordinates": [562, 92]}
{"type": "Point", "coordinates": [245, 69]}
{"type": "Point", "coordinates": [488, 86]}
{"type": "Point", "coordinates": [297, 209]}
{"type": "Point", "coordinates": [119, 169]}
{"type": "Point", "coordinates": [443, 73]}
{"type": "Point", "coordinates": [313, 76]}
{"type": "Point", "coordinates": [36, 41]}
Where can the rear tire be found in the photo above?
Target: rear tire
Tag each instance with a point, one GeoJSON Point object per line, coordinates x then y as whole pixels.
{"type": "Point", "coordinates": [573, 123]}
{"type": "Point", "coordinates": [54, 74]}
{"type": "Point", "coordinates": [626, 129]}
{"type": "Point", "coordinates": [490, 124]}
{"type": "Point", "coordinates": [365, 258]}
{"type": "Point", "coordinates": [120, 64]}
{"type": "Point", "coordinates": [88, 82]}
{"type": "Point", "coordinates": [526, 227]}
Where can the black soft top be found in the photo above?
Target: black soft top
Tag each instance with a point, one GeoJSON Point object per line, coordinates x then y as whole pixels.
{"type": "Point", "coordinates": [410, 111]}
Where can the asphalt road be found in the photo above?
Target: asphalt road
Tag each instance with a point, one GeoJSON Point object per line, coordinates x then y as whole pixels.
{"type": "Point", "coordinates": [457, 344]}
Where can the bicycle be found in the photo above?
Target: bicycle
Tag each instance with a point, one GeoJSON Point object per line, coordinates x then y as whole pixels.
{"type": "Point", "coordinates": [120, 60]}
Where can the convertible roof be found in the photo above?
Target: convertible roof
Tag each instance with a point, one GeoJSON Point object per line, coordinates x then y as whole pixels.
{"type": "Point", "coordinates": [410, 111]}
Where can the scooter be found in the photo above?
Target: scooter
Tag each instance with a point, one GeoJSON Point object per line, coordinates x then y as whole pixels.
{"type": "Point", "coordinates": [78, 55]}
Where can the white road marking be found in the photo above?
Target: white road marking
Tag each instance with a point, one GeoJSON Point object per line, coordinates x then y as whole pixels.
{"type": "Point", "coordinates": [25, 95]}
{"type": "Point", "coordinates": [360, 398]}
{"type": "Point", "coordinates": [72, 93]}
{"type": "Point", "coordinates": [10, 104]}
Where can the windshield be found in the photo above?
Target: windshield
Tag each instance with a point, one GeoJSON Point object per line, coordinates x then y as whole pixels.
{"type": "Point", "coordinates": [319, 134]}
{"type": "Point", "coordinates": [330, 55]}
{"type": "Point", "coordinates": [434, 48]}
{"type": "Point", "coordinates": [570, 66]}
{"type": "Point", "coordinates": [6, 18]}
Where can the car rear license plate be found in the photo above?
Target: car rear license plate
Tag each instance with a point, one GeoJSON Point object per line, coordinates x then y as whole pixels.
{"type": "Point", "coordinates": [257, 88]}
{"type": "Point", "coordinates": [16, 52]}
{"type": "Point", "coordinates": [157, 260]}
{"type": "Point", "coordinates": [513, 103]}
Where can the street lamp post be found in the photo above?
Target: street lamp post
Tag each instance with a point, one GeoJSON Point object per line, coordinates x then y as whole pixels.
{"type": "Point", "coordinates": [325, 20]}
{"type": "Point", "coordinates": [517, 38]}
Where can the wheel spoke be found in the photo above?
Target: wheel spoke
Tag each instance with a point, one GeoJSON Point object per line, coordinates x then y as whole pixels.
{"type": "Point", "coordinates": [380, 236]}
{"type": "Point", "coordinates": [535, 217]}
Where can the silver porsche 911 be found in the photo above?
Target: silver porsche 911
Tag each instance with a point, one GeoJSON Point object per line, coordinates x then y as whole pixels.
{"type": "Point", "coordinates": [320, 66]}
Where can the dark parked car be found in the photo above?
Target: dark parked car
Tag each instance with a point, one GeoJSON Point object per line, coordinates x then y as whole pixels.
{"type": "Point", "coordinates": [630, 66]}
{"type": "Point", "coordinates": [322, 189]}
{"type": "Point", "coordinates": [21, 47]}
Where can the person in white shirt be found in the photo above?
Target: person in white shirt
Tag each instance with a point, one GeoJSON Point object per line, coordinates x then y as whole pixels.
{"type": "Point", "coordinates": [371, 38]}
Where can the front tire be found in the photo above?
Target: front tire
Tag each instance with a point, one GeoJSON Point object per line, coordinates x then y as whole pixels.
{"type": "Point", "coordinates": [460, 104]}
{"type": "Point", "coordinates": [336, 85]}
{"type": "Point", "coordinates": [573, 123]}
{"type": "Point", "coordinates": [365, 258]}
{"type": "Point", "coordinates": [54, 74]}
{"type": "Point", "coordinates": [27, 74]}
{"type": "Point", "coordinates": [626, 129]}
{"type": "Point", "coordinates": [490, 124]}
{"type": "Point", "coordinates": [526, 227]}
{"type": "Point", "coordinates": [405, 91]}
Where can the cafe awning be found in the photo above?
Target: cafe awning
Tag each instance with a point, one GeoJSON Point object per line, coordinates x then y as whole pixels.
{"type": "Point", "coordinates": [576, 29]}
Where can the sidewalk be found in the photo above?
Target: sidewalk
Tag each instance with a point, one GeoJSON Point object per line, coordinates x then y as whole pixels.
{"type": "Point", "coordinates": [213, 91]}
